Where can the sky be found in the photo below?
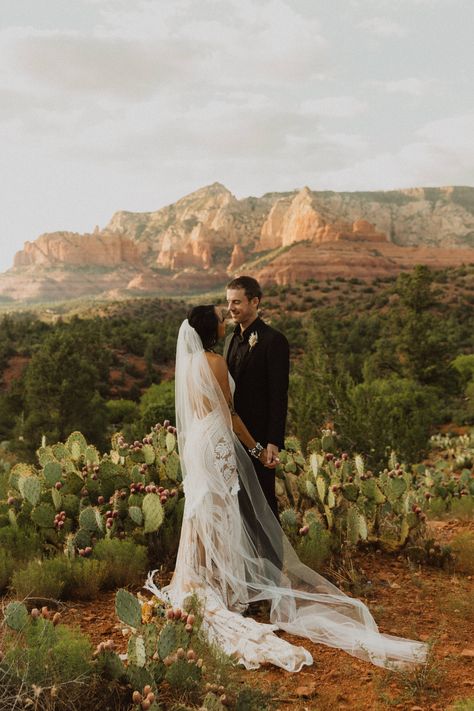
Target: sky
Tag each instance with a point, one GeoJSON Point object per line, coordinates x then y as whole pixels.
{"type": "Point", "coordinates": [110, 105]}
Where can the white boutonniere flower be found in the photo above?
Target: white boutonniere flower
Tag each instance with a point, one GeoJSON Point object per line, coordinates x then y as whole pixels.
{"type": "Point", "coordinates": [253, 339]}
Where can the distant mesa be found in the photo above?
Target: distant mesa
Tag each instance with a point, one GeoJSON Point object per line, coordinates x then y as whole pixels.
{"type": "Point", "coordinates": [203, 238]}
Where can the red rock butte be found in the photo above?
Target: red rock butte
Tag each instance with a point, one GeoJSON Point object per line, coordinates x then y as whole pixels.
{"type": "Point", "coordinates": [209, 235]}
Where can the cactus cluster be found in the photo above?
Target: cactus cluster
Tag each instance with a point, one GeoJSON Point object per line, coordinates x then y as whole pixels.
{"type": "Point", "coordinates": [159, 646]}
{"type": "Point", "coordinates": [339, 493]}
{"type": "Point", "coordinates": [74, 496]}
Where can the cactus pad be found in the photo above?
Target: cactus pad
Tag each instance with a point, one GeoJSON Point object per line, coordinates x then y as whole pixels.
{"type": "Point", "coordinates": [136, 515]}
{"type": "Point", "coordinates": [136, 651]}
{"type": "Point", "coordinates": [153, 512]}
{"type": "Point", "coordinates": [128, 608]}
{"type": "Point", "coordinates": [16, 616]}
{"type": "Point", "coordinates": [43, 515]}
{"type": "Point", "coordinates": [52, 473]}
{"type": "Point", "coordinates": [172, 636]}
{"type": "Point", "coordinates": [91, 519]}
{"type": "Point", "coordinates": [30, 488]}
{"type": "Point", "coordinates": [182, 675]}
{"type": "Point", "coordinates": [82, 538]}
{"type": "Point", "coordinates": [148, 453]}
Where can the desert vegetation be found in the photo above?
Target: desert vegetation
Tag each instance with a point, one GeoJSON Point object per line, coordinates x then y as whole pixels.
{"type": "Point", "coordinates": [375, 489]}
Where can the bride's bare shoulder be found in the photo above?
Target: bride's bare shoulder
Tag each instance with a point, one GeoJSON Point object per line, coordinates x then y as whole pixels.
{"type": "Point", "coordinates": [216, 361]}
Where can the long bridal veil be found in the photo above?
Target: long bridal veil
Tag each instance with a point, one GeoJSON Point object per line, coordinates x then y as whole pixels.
{"type": "Point", "coordinates": [233, 551]}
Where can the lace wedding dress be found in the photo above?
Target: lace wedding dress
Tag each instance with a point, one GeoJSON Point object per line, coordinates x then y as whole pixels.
{"type": "Point", "coordinates": [230, 560]}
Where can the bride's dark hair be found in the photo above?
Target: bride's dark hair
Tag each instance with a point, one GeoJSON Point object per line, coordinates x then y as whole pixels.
{"type": "Point", "coordinates": [204, 321]}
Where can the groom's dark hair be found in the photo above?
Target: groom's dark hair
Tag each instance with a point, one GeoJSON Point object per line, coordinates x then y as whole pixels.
{"type": "Point", "coordinates": [250, 285]}
{"type": "Point", "coordinates": [204, 321]}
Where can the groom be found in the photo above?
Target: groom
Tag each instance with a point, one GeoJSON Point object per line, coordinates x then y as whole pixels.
{"type": "Point", "coordinates": [258, 360]}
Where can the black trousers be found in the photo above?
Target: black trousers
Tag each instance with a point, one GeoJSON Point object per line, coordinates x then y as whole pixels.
{"type": "Point", "coordinates": [265, 548]}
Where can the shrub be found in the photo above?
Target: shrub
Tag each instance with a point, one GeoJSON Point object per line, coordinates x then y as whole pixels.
{"type": "Point", "coordinates": [6, 569]}
{"type": "Point", "coordinates": [86, 578]}
{"type": "Point", "coordinates": [462, 546]}
{"type": "Point", "coordinates": [42, 578]}
{"type": "Point", "coordinates": [67, 651]}
{"type": "Point", "coordinates": [157, 404]}
{"type": "Point", "coordinates": [126, 562]}
{"type": "Point", "coordinates": [396, 414]}
{"type": "Point", "coordinates": [22, 543]}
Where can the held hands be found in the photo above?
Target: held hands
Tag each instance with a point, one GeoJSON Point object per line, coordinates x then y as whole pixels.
{"type": "Point", "coordinates": [269, 456]}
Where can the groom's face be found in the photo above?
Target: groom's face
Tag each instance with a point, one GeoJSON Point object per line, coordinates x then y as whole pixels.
{"type": "Point", "coordinates": [242, 309]}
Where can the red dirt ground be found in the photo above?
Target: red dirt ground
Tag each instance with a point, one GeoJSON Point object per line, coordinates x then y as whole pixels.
{"type": "Point", "coordinates": [420, 603]}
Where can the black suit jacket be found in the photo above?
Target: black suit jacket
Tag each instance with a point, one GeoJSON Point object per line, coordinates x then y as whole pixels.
{"type": "Point", "coordinates": [261, 388]}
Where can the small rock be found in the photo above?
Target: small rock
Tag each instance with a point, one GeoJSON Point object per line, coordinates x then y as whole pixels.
{"type": "Point", "coordinates": [469, 653]}
{"type": "Point", "coordinates": [416, 708]}
{"type": "Point", "coordinates": [306, 691]}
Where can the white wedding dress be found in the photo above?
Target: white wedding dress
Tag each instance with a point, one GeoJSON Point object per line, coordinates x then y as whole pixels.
{"type": "Point", "coordinates": [223, 561]}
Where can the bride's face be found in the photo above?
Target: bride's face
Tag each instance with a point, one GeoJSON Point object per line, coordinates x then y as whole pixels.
{"type": "Point", "coordinates": [220, 323]}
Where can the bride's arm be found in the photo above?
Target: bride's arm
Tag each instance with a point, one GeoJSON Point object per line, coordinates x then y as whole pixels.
{"type": "Point", "coordinates": [219, 368]}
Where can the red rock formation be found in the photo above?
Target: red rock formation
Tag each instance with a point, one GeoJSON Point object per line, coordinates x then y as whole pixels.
{"type": "Point", "coordinates": [56, 248]}
{"type": "Point", "coordinates": [237, 259]}
{"type": "Point", "coordinates": [322, 232]}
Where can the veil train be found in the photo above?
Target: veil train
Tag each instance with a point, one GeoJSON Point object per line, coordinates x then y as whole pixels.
{"type": "Point", "coordinates": [231, 554]}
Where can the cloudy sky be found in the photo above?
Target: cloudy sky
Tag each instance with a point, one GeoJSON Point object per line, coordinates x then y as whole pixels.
{"type": "Point", "coordinates": [131, 104]}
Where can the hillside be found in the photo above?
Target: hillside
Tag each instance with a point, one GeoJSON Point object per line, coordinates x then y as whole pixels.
{"type": "Point", "coordinates": [196, 243]}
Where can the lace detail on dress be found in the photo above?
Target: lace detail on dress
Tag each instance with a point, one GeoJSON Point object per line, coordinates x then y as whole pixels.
{"type": "Point", "coordinates": [224, 453]}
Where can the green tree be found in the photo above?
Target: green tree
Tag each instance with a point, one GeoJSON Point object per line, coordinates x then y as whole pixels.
{"type": "Point", "coordinates": [317, 388]}
{"type": "Point", "coordinates": [395, 413]}
{"type": "Point", "coordinates": [415, 342]}
{"type": "Point", "coordinates": [157, 404]}
{"type": "Point", "coordinates": [62, 385]}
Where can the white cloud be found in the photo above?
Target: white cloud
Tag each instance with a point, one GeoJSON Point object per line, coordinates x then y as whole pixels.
{"type": "Point", "coordinates": [334, 106]}
{"type": "Point", "coordinates": [410, 85]}
{"type": "Point", "coordinates": [440, 152]}
{"type": "Point", "coordinates": [383, 27]}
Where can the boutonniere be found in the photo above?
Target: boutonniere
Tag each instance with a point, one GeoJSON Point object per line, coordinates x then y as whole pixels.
{"type": "Point", "coordinates": [253, 339]}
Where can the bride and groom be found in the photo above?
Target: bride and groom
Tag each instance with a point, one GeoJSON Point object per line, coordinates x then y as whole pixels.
{"type": "Point", "coordinates": [230, 418]}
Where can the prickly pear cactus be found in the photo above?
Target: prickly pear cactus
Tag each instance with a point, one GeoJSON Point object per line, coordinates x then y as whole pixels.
{"type": "Point", "coordinates": [136, 514]}
{"type": "Point", "coordinates": [183, 675]}
{"type": "Point", "coordinates": [52, 472]}
{"type": "Point", "coordinates": [128, 608]}
{"type": "Point", "coordinates": [16, 616]}
{"type": "Point", "coordinates": [43, 515]}
{"type": "Point", "coordinates": [172, 636]}
{"type": "Point", "coordinates": [153, 512]}
{"type": "Point", "coordinates": [212, 702]}
{"type": "Point", "coordinates": [82, 538]}
{"type": "Point", "coordinates": [136, 651]}
{"type": "Point", "coordinates": [30, 488]}
{"type": "Point", "coordinates": [90, 519]}
{"type": "Point", "coordinates": [76, 444]}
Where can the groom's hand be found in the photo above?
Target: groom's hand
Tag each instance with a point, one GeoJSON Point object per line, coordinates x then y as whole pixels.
{"type": "Point", "coordinates": [272, 456]}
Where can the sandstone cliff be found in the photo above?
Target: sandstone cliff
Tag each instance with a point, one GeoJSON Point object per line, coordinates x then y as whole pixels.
{"type": "Point", "coordinates": [198, 241]}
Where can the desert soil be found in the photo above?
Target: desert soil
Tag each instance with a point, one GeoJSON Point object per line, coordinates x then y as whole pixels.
{"type": "Point", "coordinates": [406, 600]}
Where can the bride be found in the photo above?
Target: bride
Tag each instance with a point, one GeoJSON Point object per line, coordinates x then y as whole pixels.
{"type": "Point", "coordinates": [222, 560]}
